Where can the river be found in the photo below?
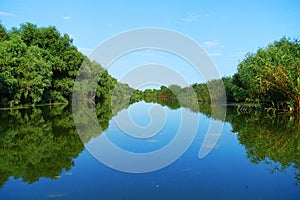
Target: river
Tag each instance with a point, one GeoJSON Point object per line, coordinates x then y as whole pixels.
{"type": "Point", "coordinates": [256, 156]}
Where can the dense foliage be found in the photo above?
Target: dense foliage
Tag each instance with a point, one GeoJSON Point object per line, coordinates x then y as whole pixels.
{"type": "Point", "coordinates": [270, 76]}
{"type": "Point", "coordinates": [39, 65]}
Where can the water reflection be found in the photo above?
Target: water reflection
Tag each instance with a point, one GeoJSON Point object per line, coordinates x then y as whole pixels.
{"type": "Point", "coordinates": [44, 142]}
{"type": "Point", "coordinates": [37, 143]}
{"type": "Point", "coordinates": [271, 139]}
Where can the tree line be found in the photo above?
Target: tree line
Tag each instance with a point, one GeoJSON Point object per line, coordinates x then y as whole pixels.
{"type": "Point", "coordinates": [39, 65]}
{"type": "Point", "coordinates": [269, 78]}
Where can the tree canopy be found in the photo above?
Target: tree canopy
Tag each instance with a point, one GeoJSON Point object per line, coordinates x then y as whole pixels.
{"type": "Point", "coordinates": [270, 76]}
{"type": "Point", "coordinates": [39, 65]}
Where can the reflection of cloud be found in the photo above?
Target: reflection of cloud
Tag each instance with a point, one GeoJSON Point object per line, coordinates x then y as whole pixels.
{"type": "Point", "coordinates": [213, 43]}
{"type": "Point", "coordinates": [58, 195]}
{"type": "Point", "coordinates": [190, 17]}
{"type": "Point", "coordinates": [152, 140]}
{"type": "Point", "coordinates": [67, 17]}
{"type": "Point", "coordinates": [85, 51]}
{"type": "Point", "coordinates": [6, 14]}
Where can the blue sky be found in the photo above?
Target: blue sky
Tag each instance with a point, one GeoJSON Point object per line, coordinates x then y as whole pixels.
{"type": "Point", "coordinates": [226, 30]}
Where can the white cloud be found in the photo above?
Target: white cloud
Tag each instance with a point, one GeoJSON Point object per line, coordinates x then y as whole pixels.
{"type": "Point", "coordinates": [85, 51]}
{"type": "Point", "coordinates": [215, 54]}
{"type": "Point", "coordinates": [190, 17]}
{"type": "Point", "coordinates": [214, 46]}
{"type": "Point", "coordinates": [213, 43]}
{"type": "Point", "coordinates": [6, 14]}
{"type": "Point", "coordinates": [238, 54]}
{"type": "Point", "coordinates": [67, 17]}
{"type": "Point", "coordinates": [148, 53]}
{"type": "Point", "coordinates": [72, 36]}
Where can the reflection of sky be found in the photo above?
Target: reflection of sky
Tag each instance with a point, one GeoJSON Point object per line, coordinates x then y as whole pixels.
{"type": "Point", "coordinates": [225, 173]}
{"type": "Point", "coordinates": [139, 114]}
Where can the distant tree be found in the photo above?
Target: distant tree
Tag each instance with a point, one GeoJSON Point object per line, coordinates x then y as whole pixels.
{"type": "Point", "coordinates": [176, 89]}
{"type": "Point", "coordinates": [202, 92]}
{"type": "Point", "coordinates": [228, 84]}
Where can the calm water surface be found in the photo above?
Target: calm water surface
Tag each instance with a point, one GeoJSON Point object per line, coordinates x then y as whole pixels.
{"type": "Point", "coordinates": [42, 157]}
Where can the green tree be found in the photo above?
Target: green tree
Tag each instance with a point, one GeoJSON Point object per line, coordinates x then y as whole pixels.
{"type": "Point", "coordinates": [39, 65]}
{"type": "Point", "coordinates": [24, 74]}
{"type": "Point", "coordinates": [3, 33]}
{"type": "Point", "coordinates": [202, 92]}
{"type": "Point", "coordinates": [271, 76]}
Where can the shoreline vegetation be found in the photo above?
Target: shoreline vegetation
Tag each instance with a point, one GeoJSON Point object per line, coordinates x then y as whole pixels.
{"type": "Point", "coordinates": [38, 66]}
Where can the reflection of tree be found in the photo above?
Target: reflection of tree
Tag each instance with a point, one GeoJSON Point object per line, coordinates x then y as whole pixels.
{"type": "Point", "coordinates": [273, 140]}
{"type": "Point", "coordinates": [104, 110]}
{"type": "Point", "coordinates": [173, 101]}
{"type": "Point", "coordinates": [37, 144]}
{"type": "Point", "coordinates": [44, 143]}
